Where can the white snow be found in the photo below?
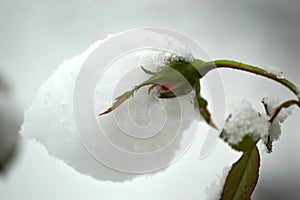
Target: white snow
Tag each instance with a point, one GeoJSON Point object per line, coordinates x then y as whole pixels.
{"type": "Point", "coordinates": [50, 118]}
{"type": "Point", "coordinates": [275, 131]}
{"type": "Point", "coordinates": [243, 121]}
{"type": "Point", "coordinates": [275, 71]}
{"type": "Point", "coordinates": [145, 116]}
{"type": "Point", "coordinates": [271, 103]}
{"type": "Point", "coordinates": [214, 190]}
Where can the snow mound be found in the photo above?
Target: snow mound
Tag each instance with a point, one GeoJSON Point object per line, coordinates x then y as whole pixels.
{"type": "Point", "coordinates": [50, 119]}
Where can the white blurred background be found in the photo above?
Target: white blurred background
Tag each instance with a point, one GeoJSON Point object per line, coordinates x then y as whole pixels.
{"type": "Point", "coordinates": [37, 35]}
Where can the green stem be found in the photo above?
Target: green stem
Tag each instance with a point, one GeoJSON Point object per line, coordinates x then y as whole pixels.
{"type": "Point", "coordinates": [207, 66]}
{"type": "Point", "coordinates": [285, 104]}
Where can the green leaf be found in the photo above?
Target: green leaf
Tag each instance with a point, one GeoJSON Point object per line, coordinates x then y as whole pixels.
{"type": "Point", "coordinates": [242, 177]}
{"type": "Point", "coordinates": [151, 88]}
{"type": "Point", "coordinates": [201, 104]}
{"type": "Point", "coordinates": [148, 71]}
{"type": "Point", "coordinates": [119, 100]}
{"type": "Point", "coordinates": [268, 143]}
{"type": "Point", "coordinates": [180, 72]}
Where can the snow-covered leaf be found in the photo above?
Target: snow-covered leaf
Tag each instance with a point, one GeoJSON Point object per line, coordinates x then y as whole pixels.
{"type": "Point", "coordinates": [245, 121]}
{"type": "Point", "coordinates": [245, 145]}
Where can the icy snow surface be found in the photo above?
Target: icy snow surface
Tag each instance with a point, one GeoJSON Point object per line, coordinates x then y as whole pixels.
{"type": "Point", "coordinates": [143, 125]}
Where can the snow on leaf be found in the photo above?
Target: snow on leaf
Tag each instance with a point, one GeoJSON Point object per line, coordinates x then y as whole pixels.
{"type": "Point", "coordinates": [245, 145]}
{"type": "Point", "coordinates": [245, 121]}
{"type": "Point", "coordinates": [242, 177]}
